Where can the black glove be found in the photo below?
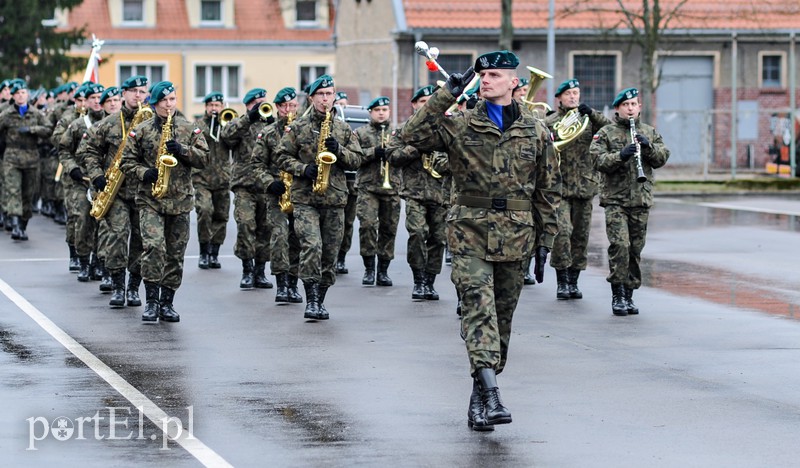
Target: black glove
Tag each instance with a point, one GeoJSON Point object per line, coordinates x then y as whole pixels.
{"type": "Point", "coordinates": [276, 188]}
{"type": "Point", "coordinates": [627, 152]}
{"type": "Point", "coordinates": [270, 120]}
{"type": "Point", "coordinates": [549, 113]}
{"type": "Point", "coordinates": [99, 183]}
{"type": "Point", "coordinates": [642, 140]}
{"type": "Point", "coordinates": [253, 114]}
{"type": "Point", "coordinates": [380, 153]}
{"type": "Point", "coordinates": [541, 259]}
{"type": "Point", "coordinates": [457, 82]}
{"type": "Point", "coordinates": [584, 109]}
{"type": "Point", "coordinates": [174, 147]}
{"type": "Point", "coordinates": [76, 174]}
{"type": "Point", "coordinates": [24, 129]}
{"type": "Point", "coordinates": [332, 145]}
{"type": "Point", "coordinates": [310, 172]}
{"type": "Point", "coordinates": [151, 176]}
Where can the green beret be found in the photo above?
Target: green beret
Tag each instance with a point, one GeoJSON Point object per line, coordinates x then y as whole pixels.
{"type": "Point", "coordinates": [624, 95]}
{"type": "Point", "coordinates": [134, 82]}
{"type": "Point", "coordinates": [499, 59]}
{"type": "Point", "coordinates": [4, 84]}
{"type": "Point", "coordinates": [378, 101]}
{"type": "Point", "coordinates": [285, 95]}
{"type": "Point", "coordinates": [340, 95]}
{"type": "Point", "coordinates": [18, 84]}
{"type": "Point", "coordinates": [324, 81]}
{"type": "Point", "coordinates": [421, 92]}
{"type": "Point", "coordinates": [213, 96]}
{"type": "Point", "coordinates": [522, 82]}
{"type": "Point", "coordinates": [87, 82]}
{"type": "Point", "coordinates": [111, 91]}
{"type": "Point", "coordinates": [161, 90]}
{"type": "Point", "coordinates": [254, 94]}
{"type": "Point", "coordinates": [70, 87]}
{"type": "Point", "coordinates": [569, 84]}
{"type": "Point", "coordinates": [80, 92]}
{"type": "Point", "coordinates": [94, 88]}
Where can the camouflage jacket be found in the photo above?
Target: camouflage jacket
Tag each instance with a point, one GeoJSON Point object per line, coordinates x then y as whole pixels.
{"type": "Point", "coordinates": [579, 178]}
{"type": "Point", "coordinates": [264, 159]}
{"type": "Point", "coordinates": [100, 147]}
{"type": "Point", "coordinates": [216, 175]}
{"type": "Point", "coordinates": [370, 174]}
{"type": "Point", "coordinates": [240, 135]}
{"type": "Point", "coordinates": [298, 148]}
{"type": "Point", "coordinates": [418, 184]}
{"type": "Point", "coordinates": [487, 163]}
{"type": "Point", "coordinates": [65, 118]}
{"type": "Point", "coordinates": [141, 151]}
{"type": "Point", "coordinates": [618, 185]}
{"type": "Point", "coordinates": [22, 150]}
{"type": "Point", "coordinates": [67, 148]}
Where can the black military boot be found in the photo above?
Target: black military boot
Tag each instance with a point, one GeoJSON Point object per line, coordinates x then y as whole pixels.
{"type": "Point", "coordinates": [369, 270]}
{"type": "Point", "coordinates": [105, 279]}
{"type": "Point", "coordinates": [340, 268]}
{"type": "Point", "coordinates": [312, 300]}
{"type": "Point", "coordinates": [260, 276]}
{"type": "Point", "coordinates": [419, 285]}
{"type": "Point", "coordinates": [60, 215]}
{"type": "Point", "coordinates": [323, 312]}
{"type": "Point", "coordinates": [47, 208]}
{"type": "Point", "coordinates": [118, 292]}
{"type": "Point", "coordinates": [166, 312]}
{"type": "Point", "coordinates": [383, 273]}
{"type": "Point", "coordinates": [213, 256]}
{"type": "Point", "coordinates": [528, 278]}
{"type": "Point", "coordinates": [476, 414]}
{"type": "Point", "coordinates": [22, 231]}
{"type": "Point", "coordinates": [430, 293]}
{"type": "Point", "coordinates": [632, 309]}
{"type": "Point", "coordinates": [572, 276]}
{"type": "Point", "coordinates": [151, 306]}
{"type": "Point", "coordinates": [202, 262]}
{"type": "Point", "coordinates": [8, 226]}
{"type": "Point", "coordinates": [294, 294]}
{"type": "Point", "coordinates": [496, 413]}
{"type": "Point", "coordinates": [562, 284]}
{"type": "Point", "coordinates": [247, 274]}
{"type": "Point", "coordinates": [84, 271]}
{"type": "Point", "coordinates": [95, 268]}
{"type": "Point", "coordinates": [282, 292]}
{"type": "Point", "coordinates": [74, 263]}
{"type": "Point", "coordinates": [16, 231]}
{"type": "Point", "coordinates": [2, 219]}
{"type": "Point", "coordinates": [132, 295]}
{"type": "Point", "coordinates": [619, 306]}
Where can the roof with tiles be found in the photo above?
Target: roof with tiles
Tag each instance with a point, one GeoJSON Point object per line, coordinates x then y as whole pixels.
{"type": "Point", "coordinates": [255, 20]}
{"type": "Point", "coordinates": [724, 15]}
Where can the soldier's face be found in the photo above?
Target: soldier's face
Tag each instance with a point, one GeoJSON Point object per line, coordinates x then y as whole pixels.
{"type": "Point", "coordinates": [80, 103]}
{"type": "Point", "coordinates": [166, 105]}
{"type": "Point", "coordinates": [322, 100]}
{"type": "Point", "coordinates": [286, 108]}
{"type": "Point", "coordinates": [497, 85]}
{"type": "Point", "coordinates": [341, 102]}
{"type": "Point", "coordinates": [214, 108]}
{"type": "Point", "coordinates": [420, 102]}
{"type": "Point", "coordinates": [5, 94]}
{"type": "Point", "coordinates": [112, 104]}
{"type": "Point", "coordinates": [380, 114]}
{"type": "Point", "coordinates": [21, 97]}
{"type": "Point", "coordinates": [520, 93]}
{"type": "Point", "coordinates": [570, 98]}
{"type": "Point", "coordinates": [93, 102]}
{"type": "Point", "coordinates": [629, 108]}
{"type": "Point", "coordinates": [133, 96]}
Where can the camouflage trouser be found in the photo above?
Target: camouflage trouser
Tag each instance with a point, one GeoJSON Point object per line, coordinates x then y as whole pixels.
{"type": "Point", "coordinates": [571, 244]}
{"type": "Point", "coordinates": [349, 219]}
{"type": "Point", "coordinates": [626, 229]}
{"type": "Point", "coordinates": [3, 195]}
{"type": "Point", "coordinates": [489, 292]}
{"type": "Point", "coordinates": [283, 244]}
{"type": "Point", "coordinates": [119, 241]}
{"type": "Point", "coordinates": [164, 239]}
{"type": "Point", "coordinates": [19, 184]}
{"type": "Point", "coordinates": [81, 228]}
{"type": "Point", "coordinates": [425, 223]}
{"type": "Point", "coordinates": [48, 184]}
{"type": "Point", "coordinates": [378, 216]}
{"type": "Point", "coordinates": [319, 230]}
{"type": "Point", "coordinates": [213, 208]}
{"type": "Point", "coordinates": [253, 229]}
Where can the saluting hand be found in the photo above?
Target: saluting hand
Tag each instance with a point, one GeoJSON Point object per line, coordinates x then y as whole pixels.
{"type": "Point", "coordinates": [457, 82]}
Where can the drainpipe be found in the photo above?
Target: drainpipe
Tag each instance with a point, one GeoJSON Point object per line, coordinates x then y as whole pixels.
{"type": "Point", "coordinates": [185, 94]}
{"type": "Point", "coordinates": [551, 52]}
{"type": "Point", "coordinates": [734, 102]}
{"type": "Point", "coordinates": [395, 67]}
{"type": "Point", "coordinates": [792, 100]}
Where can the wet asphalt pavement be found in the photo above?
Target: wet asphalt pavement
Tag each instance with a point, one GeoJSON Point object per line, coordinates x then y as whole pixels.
{"type": "Point", "coordinates": [707, 375]}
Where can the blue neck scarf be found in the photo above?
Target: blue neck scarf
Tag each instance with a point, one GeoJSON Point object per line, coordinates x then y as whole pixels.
{"type": "Point", "coordinates": [495, 112]}
{"type": "Point", "coordinates": [23, 110]}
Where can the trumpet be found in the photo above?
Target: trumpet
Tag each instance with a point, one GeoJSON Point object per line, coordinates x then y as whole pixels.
{"type": "Point", "coordinates": [640, 177]}
{"type": "Point", "coordinates": [226, 116]}
{"type": "Point", "coordinates": [385, 166]}
{"type": "Point", "coordinates": [264, 110]}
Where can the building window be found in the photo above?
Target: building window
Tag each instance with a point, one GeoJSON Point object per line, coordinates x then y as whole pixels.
{"type": "Point", "coordinates": [309, 73]}
{"type": "Point", "coordinates": [210, 11]}
{"type": "Point", "coordinates": [451, 63]}
{"type": "Point", "coordinates": [154, 73]}
{"type": "Point", "coordinates": [132, 11]}
{"type": "Point", "coordinates": [596, 74]}
{"type": "Point", "coordinates": [221, 78]}
{"type": "Point", "coordinates": [306, 11]}
{"type": "Point", "coordinates": [771, 71]}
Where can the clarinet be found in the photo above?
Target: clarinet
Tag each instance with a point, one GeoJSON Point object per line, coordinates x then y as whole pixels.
{"type": "Point", "coordinates": [640, 177]}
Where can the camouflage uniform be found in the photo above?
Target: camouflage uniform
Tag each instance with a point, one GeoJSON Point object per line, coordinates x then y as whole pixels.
{"type": "Point", "coordinates": [48, 165]}
{"type": "Point", "coordinates": [212, 185]}
{"type": "Point", "coordinates": [164, 222]}
{"type": "Point", "coordinates": [627, 203]}
{"type": "Point", "coordinates": [502, 180]}
{"type": "Point", "coordinates": [62, 115]}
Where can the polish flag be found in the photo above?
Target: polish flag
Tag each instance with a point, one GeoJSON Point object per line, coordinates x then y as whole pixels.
{"type": "Point", "coordinates": [92, 67]}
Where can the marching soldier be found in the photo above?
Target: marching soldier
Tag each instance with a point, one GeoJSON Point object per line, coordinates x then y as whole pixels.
{"type": "Point", "coordinates": [378, 208]}
{"type": "Point", "coordinates": [163, 219]}
{"type": "Point", "coordinates": [505, 174]}
{"type": "Point", "coordinates": [319, 214]}
{"type": "Point", "coordinates": [578, 187]}
{"type": "Point", "coordinates": [119, 237]}
{"type": "Point", "coordinates": [284, 248]}
{"type": "Point", "coordinates": [626, 153]}
{"type": "Point", "coordinates": [5, 98]}
{"type": "Point", "coordinates": [424, 191]}
{"type": "Point", "coordinates": [249, 204]}
{"type": "Point", "coordinates": [212, 185]}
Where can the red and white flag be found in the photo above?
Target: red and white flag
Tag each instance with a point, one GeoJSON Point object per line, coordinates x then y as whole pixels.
{"type": "Point", "coordinates": [92, 67]}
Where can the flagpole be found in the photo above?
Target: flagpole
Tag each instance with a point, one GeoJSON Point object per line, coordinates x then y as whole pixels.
{"type": "Point", "coordinates": [93, 64]}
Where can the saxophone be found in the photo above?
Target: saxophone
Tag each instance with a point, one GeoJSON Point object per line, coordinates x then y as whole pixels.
{"type": "Point", "coordinates": [164, 161]}
{"type": "Point", "coordinates": [114, 176]}
{"type": "Point", "coordinates": [325, 158]}
{"type": "Point", "coordinates": [285, 200]}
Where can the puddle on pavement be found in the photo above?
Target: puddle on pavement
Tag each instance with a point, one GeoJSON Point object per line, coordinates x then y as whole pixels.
{"type": "Point", "coordinates": [10, 345]}
{"type": "Point", "coordinates": [317, 422]}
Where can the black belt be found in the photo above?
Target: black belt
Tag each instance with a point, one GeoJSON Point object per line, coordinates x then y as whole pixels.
{"type": "Point", "coordinates": [501, 204]}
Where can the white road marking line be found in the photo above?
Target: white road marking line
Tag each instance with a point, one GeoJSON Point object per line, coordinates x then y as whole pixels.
{"type": "Point", "coordinates": [191, 444]}
{"type": "Point", "coordinates": [728, 206]}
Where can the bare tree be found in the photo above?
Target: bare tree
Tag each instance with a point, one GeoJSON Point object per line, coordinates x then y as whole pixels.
{"type": "Point", "coordinates": [506, 26]}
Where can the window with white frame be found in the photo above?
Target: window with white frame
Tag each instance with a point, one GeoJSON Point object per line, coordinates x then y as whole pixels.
{"type": "Point", "coordinates": [309, 73]}
{"type": "Point", "coordinates": [217, 78]}
{"type": "Point", "coordinates": [306, 11]}
{"type": "Point", "coordinates": [211, 11]}
{"type": "Point", "coordinates": [771, 70]}
{"type": "Point", "coordinates": [452, 63]}
{"type": "Point", "coordinates": [153, 72]}
{"type": "Point", "coordinates": [597, 76]}
{"type": "Point", "coordinates": [132, 11]}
